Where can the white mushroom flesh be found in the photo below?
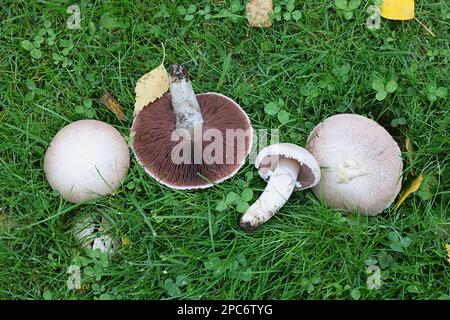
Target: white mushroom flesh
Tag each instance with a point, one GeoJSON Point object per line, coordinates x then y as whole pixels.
{"type": "Point", "coordinates": [277, 192]}
{"type": "Point", "coordinates": [184, 100]}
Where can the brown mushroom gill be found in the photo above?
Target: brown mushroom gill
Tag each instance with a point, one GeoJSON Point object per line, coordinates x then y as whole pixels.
{"type": "Point", "coordinates": [153, 145]}
{"type": "Point", "coordinates": [305, 175]}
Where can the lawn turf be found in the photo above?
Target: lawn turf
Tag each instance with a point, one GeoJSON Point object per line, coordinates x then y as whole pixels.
{"type": "Point", "coordinates": [176, 244]}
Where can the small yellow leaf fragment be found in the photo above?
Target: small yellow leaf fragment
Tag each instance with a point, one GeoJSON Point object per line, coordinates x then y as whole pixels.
{"type": "Point", "coordinates": [413, 187]}
{"type": "Point", "coordinates": [150, 87]}
{"type": "Point", "coordinates": [112, 104]}
{"type": "Point", "coordinates": [125, 241]}
{"type": "Point", "coordinates": [397, 9]}
{"type": "Point", "coordinates": [131, 138]}
{"type": "Point", "coordinates": [259, 13]}
{"type": "Point", "coordinates": [410, 154]}
{"type": "Point", "coordinates": [447, 246]}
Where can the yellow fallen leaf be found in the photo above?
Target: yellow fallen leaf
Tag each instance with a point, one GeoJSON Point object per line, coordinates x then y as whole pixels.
{"type": "Point", "coordinates": [397, 9]}
{"type": "Point", "coordinates": [400, 10]}
{"type": "Point", "coordinates": [126, 241]}
{"type": "Point", "coordinates": [410, 154]}
{"type": "Point", "coordinates": [151, 86]}
{"type": "Point", "coordinates": [259, 13]}
{"type": "Point", "coordinates": [413, 187]}
{"type": "Point", "coordinates": [447, 246]}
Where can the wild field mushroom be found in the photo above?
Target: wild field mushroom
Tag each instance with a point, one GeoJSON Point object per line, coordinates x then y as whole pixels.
{"type": "Point", "coordinates": [85, 160]}
{"type": "Point", "coordinates": [94, 232]}
{"type": "Point", "coordinates": [189, 141]}
{"type": "Point", "coordinates": [285, 167]}
{"type": "Point", "coordinates": [360, 161]}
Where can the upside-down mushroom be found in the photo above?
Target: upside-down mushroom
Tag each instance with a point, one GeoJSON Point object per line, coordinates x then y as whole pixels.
{"type": "Point", "coordinates": [286, 167]}
{"type": "Point", "coordinates": [189, 141]}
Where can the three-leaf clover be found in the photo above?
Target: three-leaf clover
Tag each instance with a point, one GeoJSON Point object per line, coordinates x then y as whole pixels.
{"type": "Point", "coordinates": [33, 47]}
{"type": "Point", "coordinates": [275, 108]}
{"type": "Point", "coordinates": [63, 57]}
{"type": "Point", "coordinates": [346, 7]}
{"type": "Point", "coordinates": [397, 243]}
{"type": "Point", "coordinates": [32, 90]}
{"type": "Point", "coordinates": [434, 92]}
{"type": "Point", "coordinates": [343, 72]}
{"type": "Point", "coordinates": [289, 14]}
{"type": "Point", "coordinates": [399, 121]}
{"type": "Point", "coordinates": [241, 92]}
{"type": "Point", "coordinates": [205, 12]}
{"type": "Point", "coordinates": [383, 89]}
{"type": "Point", "coordinates": [310, 90]}
{"type": "Point", "coordinates": [86, 109]}
{"type": "Point", "coordinates": [240, 201]}
{"type": "Point", "coordinates": [187, 13]}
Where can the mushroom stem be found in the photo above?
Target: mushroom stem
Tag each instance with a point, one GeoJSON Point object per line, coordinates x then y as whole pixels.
{"type": "Point", "coordinates": [184, 100]}
{"type": "Point", "coordinates": [277, 192]}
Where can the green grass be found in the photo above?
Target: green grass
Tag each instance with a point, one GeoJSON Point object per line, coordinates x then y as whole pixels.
{"type": "Point", "coordinates": [181, 246]}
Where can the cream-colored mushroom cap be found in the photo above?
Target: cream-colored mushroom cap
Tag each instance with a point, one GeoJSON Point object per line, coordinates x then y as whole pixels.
{"type": "Point", "coordinates": [85, 160]}
{"type": "Point", "coordinates": [268, 158]}
{"type": "Point", "coordinates": [361, 163]}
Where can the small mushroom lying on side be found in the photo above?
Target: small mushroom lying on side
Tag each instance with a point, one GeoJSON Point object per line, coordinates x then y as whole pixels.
{"type": "Point", "coordinates": [191, 141]}
{"type": "Point", "coordinates": [361, 164]}
{"type": "Point", "coordinates": [285, 167]}
{"type": "Point", "coordinates": [86, 159]}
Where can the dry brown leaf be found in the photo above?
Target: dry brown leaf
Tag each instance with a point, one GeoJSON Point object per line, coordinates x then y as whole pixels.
{"type": "Point", "coordinates": [151, 86]}
{"type": "Point", "coordinates": [112, 104]}
{"type": "Point", "coordinates": [413, 187]}
{"type": "Point", "coordinates": [259, 13]}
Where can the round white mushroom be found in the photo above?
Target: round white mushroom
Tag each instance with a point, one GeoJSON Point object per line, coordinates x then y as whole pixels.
{"type": "Point", "coordinates": [285, 167]}
{"type": "Point", "coordinates": [360, 161]}
{"type": "Point", "coordinates": [86, 159]}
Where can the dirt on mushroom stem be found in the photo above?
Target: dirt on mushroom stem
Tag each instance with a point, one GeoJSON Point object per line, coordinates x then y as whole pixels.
{"type": "Point", "coordinates": [184, 101]}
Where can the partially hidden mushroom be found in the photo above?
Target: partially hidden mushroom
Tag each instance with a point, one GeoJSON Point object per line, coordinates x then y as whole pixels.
{"type": "Point", "coordinates": [360, 161]}
{"type": "Point", "coordinates": [191, 141]}
{"type": "Point", "coordinates": [95, 232]}
{"type": "Point", "coordinates": [85, 160]}
{"type": "Point", "coordinates": [286, 167]}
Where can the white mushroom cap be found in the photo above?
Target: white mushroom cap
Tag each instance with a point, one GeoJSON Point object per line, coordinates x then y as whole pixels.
{"type": "Point", "coordinates": [267, 161]}
{"type": "Point", "coordinates": [361, 163]}
{"type": "Point", "coordinates": [85, 160]}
